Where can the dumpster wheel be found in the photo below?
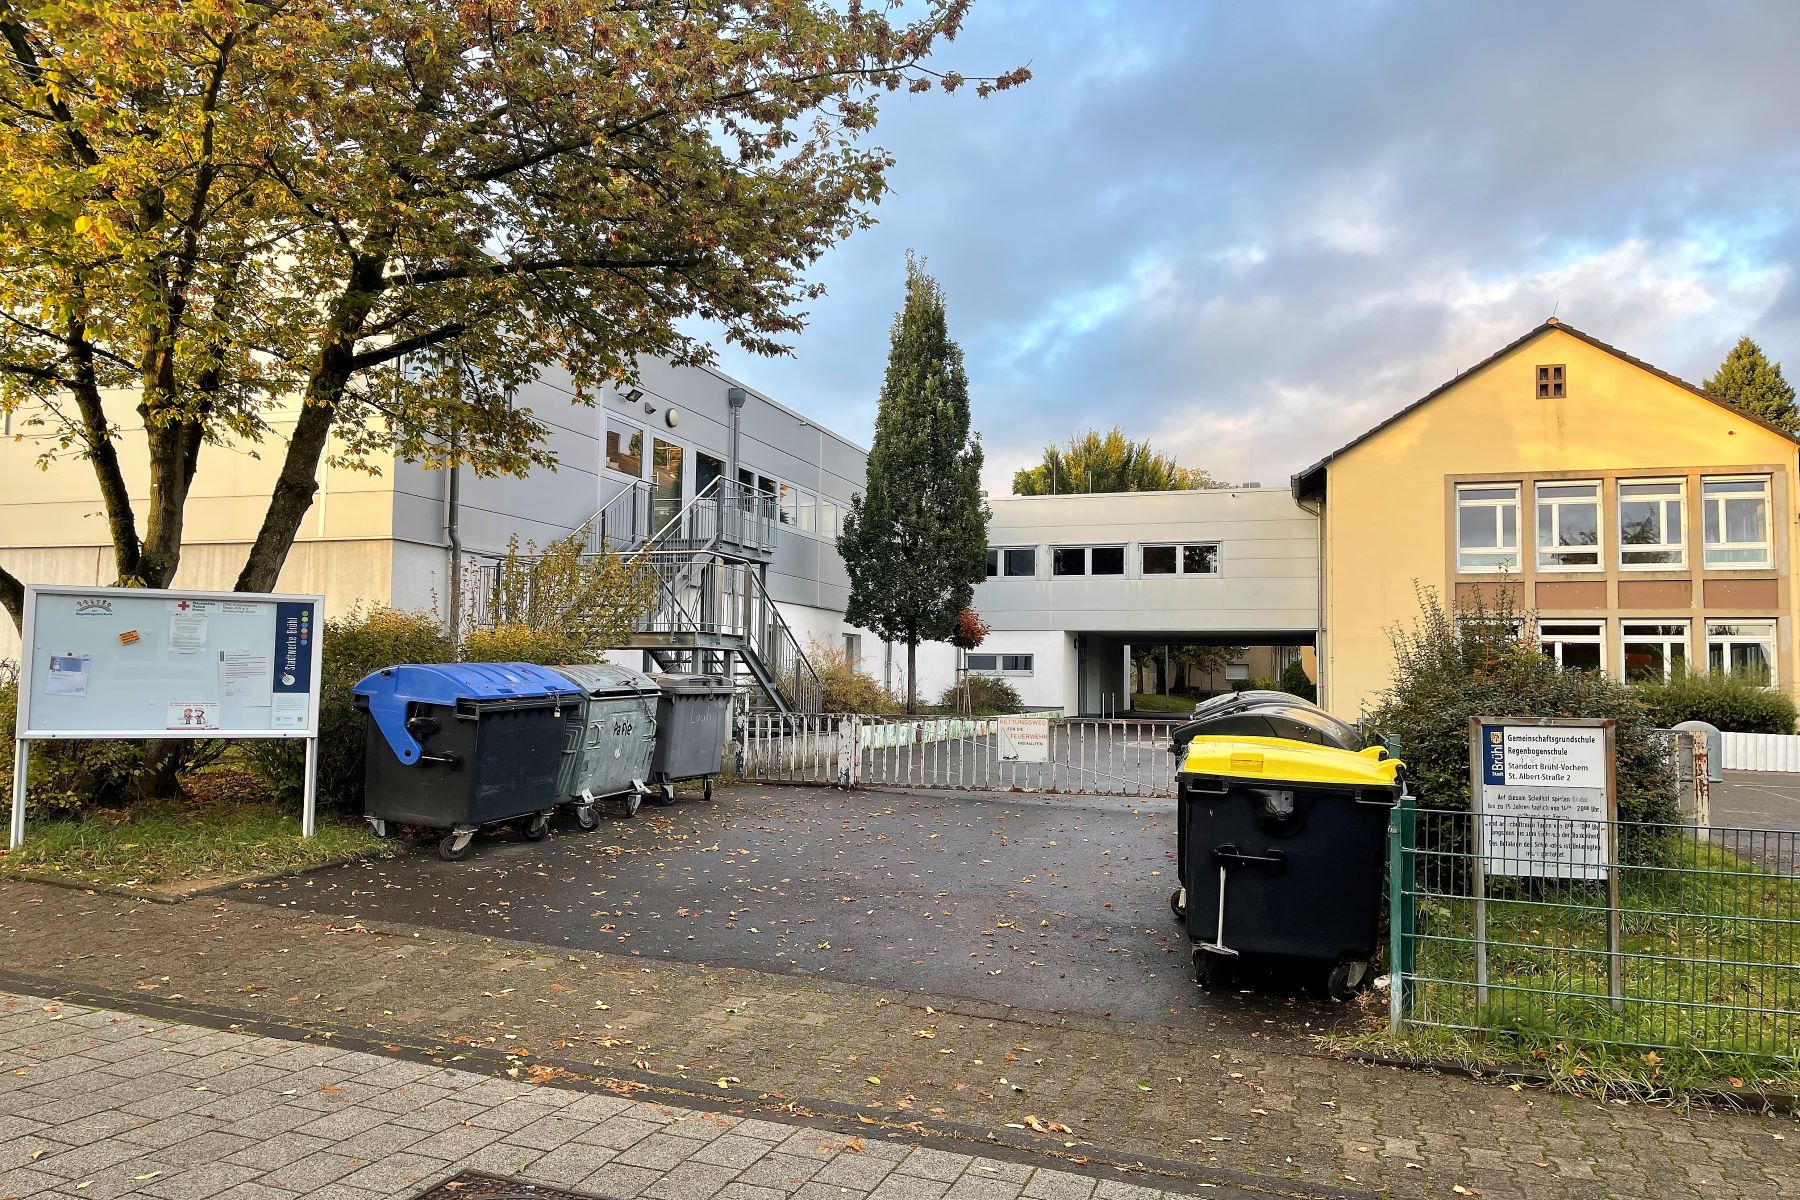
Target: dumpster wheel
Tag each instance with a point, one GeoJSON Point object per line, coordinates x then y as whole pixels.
{"type": "Point", "coordinates": [536, 828]}
{"type": "Point", "coordinates": [586, 817]}
{"type": "Point", "coordinates": [1178, 903]}
{"type": "Point", "coordinates": [664, 793]}
{"type": "Point", "coordinates": [706, 792]}
{"type": "Point", "coordinates": [454, 846]}
{"type": "Point", "coordinates": [630, 803]}
{"type": "Point", "coordinates": [1346, 978]}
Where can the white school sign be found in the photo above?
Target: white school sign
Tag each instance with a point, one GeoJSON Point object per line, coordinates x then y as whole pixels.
{"type": "Point", "coordinates": [148, 663]}
{"type": "Point", "coordinates": [1543, 797]}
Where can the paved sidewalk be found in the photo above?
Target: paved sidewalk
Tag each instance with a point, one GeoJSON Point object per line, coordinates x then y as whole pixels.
{"type": "Point", "coordinates": [101, 1105]}
{"type": "Point", "coordinates": [1221, 1105]}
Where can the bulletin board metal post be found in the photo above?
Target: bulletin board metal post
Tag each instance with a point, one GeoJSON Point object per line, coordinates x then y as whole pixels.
{"type": "Point", "coordinates": [141, 663]}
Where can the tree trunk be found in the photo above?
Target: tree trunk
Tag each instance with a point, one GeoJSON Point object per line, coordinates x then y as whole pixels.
{"type": "Point", "coordinates": [912, 674]}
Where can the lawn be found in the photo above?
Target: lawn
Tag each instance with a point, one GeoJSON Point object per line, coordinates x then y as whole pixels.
{"type": "Point", "coordinates": [1709, 965]}
{"type": "Point", "coordinates": [214, 841]}
{"type": "Point", "coordinates": [1151, 702]}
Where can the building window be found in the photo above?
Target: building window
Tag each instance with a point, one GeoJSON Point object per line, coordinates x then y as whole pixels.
{"type": "Point", "coordinates": [625, 450]}
{"type": "Point", "coordinates": [1654, 650]}
{"type": "Point", "coordinates": [1736, 513]}
{"type": "Point", "coordinates": [808, 511]}
{"type": "Point", "coordinates": [1087, 560]}
{"type": "Point", "coordinates": [787, 502]}
{"type": "Point", "coordinates": [1106, 560]}
{"type": "Point", "coordinates": [1487, 527]}
{"type": "Point", "coordinates": [1068, 560]}
{"type": "Point", "coordinates": [1199, 558]}
{"type": "Point", "coordinates": [1011, 561]}
{"type": "Point", "coordinates": [998, 664]}
{"type": "Point", "coordinates": [1744, 648]}
{"type": "Point", "coordinates": [853, 650]}
{"type": "Point", "coordinates": [1574, 645]}
{"type": "Point", "coordinates": [1652, 523]}
{"type": "Point", "coordinates": [828, 519]}
{"type": "Point", "coordinates": [1550, 383]}
{"type": "Point", "coordinates": [1568, 526]}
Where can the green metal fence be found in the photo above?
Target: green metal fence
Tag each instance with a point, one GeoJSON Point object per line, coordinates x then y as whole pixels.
{"type": "Point", "coordinates": [1701, 949]}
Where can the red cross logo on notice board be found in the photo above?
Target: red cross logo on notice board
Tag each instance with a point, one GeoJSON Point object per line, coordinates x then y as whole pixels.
{"type": "Point", "coordinates": [183, 606]}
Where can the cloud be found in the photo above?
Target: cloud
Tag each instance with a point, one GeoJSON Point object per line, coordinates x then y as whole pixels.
{"type": "Point", "coordinates": [1251, 231]}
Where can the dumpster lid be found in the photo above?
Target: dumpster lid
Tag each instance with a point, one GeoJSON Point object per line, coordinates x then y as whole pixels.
{"type": "Point", "coordinates": [608, 679]}
{"type": "Point", "coordinates": [692, 684]}
{"type": "Point", "coordinates": [391, 689]}
{"type": "Point", "coordinates": [1285, 761]}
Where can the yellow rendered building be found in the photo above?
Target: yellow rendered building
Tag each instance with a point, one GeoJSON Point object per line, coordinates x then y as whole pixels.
{"type": "Point", "coordinates": [1645, 526]}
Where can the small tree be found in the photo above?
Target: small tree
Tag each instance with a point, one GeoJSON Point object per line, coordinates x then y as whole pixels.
{"type": "Point", "coordinates": [591, 601]}
{"type": "Point", "coordinates": [915, 540]}
{"type": "Point", "coordinates": [1296, 682]}
{"type": "Point", "coordinates": [1107, 462]}
{"type": "Point", "coordinates": [1748, 380]}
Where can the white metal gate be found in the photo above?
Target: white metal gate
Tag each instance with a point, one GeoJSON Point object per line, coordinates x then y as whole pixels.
{"type": "Point", "coordinates": [1081, 755]}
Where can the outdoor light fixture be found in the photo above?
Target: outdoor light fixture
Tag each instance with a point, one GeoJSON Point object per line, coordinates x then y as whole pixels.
{"type": "Point", "coordinates": [634, 395]}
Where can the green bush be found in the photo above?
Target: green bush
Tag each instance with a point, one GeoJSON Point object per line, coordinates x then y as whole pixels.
{"type": "Point", "coordinates": [1260, 683]}
{"type": "Point", "coordinates": [1471, 663]}
{"type": "Point", "coordinates": [1296, 682]}
{"type": "Point", "coordinates": [1735, 703]}
{"type": "Point", "coordinates": [354, 646]}
{"type": "Point", "coordinates": [981, 694]}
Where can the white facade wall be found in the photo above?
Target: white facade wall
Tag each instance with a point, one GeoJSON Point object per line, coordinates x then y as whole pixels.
{"type": "Point", "coordinates": [1265, 587]}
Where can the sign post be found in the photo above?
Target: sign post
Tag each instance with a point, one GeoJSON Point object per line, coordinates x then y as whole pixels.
{"type": "Point", "coordinates": [1544, 794]}
{"type": "Point", "coordinates": [116, 663]}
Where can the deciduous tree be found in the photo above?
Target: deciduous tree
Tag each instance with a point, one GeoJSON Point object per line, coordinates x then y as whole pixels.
{"type": "Point", "coordinates": [1107, 462]}
{"type": "Point", "coordinates": [223, 216]}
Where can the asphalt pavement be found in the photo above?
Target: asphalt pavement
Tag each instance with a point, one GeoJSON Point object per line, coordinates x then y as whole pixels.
{"type": "Point", "coordinates": [1052, 904]}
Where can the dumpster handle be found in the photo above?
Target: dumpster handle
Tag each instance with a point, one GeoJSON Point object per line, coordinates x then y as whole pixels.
{"type": "Point", "coordinates": [1231, 854]}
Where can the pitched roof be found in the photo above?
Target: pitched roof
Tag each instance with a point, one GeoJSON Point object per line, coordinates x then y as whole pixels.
{"type": "Point", "coordinates": [1311, 480]}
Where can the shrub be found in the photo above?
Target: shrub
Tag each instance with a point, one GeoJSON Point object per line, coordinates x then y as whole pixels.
{"type": "Point", "coordinates": [1452, 666]}
{"type": "Point", "coordinates": [522, 643]}
{"type": "Point", "coordinates": [1296, 682]}
{"type": "Point", "coordinates": [592, 600]}
{"type": "Point", "coordinates": [846, 688]}
{"type": "Point", "coordinates": [1261, 683]}
{"type": "Point", "coordinates": [1735, 703]}
{"type": "Point", "coordinates": [980, 694]}
{"type": "Point", "coordinates": [354, 646]}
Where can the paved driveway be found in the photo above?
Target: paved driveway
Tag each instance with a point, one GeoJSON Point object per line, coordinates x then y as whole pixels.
{"type": "Point", "coordinates": [1055, 904]}
{"type": "Point", "coordinates": [1763, 811]}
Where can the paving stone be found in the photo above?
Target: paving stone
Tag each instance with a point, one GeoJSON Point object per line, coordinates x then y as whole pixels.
{"type": "Point", "coordinates": [915, 1187]}
{"type": "Point", "coordinates": [664, 1151]}
{"type": "Point", "coordinates": [199, 1182]}
{"type": "Point", "coordinates": [733, 1150]}
{"type": "Point", "coordinates": [306, 1175]}
{"type": "Point", "coordinates": [455, 1142]}
{"type": "Point", "coordinates": [973, 1186]}
{"type": "Point", "coordinates": [548, 1132]}
{"type": "Point", "coordinates": [935, 1164]}
{"type": "Point", "coordinates": [857, 1171]}
{"type": "Point", "coordinates": [396, 1172]}
{"type": "Point", "coordinates": [619, 1182]}
{"type": "Point", "coordinates": [1058, 1185]}
{"type": "Point", "coordinates": [570, 1163]}
{"type": "Point", "coordinates": [691, 1181]}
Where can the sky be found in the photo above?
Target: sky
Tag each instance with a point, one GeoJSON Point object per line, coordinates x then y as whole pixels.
{"type": "Point", "coordinates": [1248, 230]}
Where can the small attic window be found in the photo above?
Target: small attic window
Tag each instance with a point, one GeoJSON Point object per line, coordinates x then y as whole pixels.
{"type": "Point", "coordinates": [1550, 383]}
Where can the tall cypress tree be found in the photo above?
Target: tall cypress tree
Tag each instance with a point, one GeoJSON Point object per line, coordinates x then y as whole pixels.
{"type": "Point", "coordinates": [1748, 380]}
{"type": "Point", "coordinates": [915, 541]}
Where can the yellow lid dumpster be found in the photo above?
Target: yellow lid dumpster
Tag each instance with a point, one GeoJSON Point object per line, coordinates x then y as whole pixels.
{"type": "Point", "coordinates": [1282, 845]}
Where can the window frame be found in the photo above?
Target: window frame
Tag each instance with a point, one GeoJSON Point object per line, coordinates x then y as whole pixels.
{"type": "Point", "coordinates": [1516, 549]}
{"type": "Point", "coordinates": [998, 563]}
{"type": "Point", "coordinates": [1685, 640]}
{"type": "Point", "coordinates": [853, 650]}
{"type": "Point", "coordinates": [1596, 638]}
{"type": "Point", "coordinates": [1677, 493]}
{"type": "Point", "coordinates": [1767, 545]}
{"type": "Point", "coordinates": [1556, 504]}
{"type": "Point", "coordinates": [606, 448]}
{"type": "Point", "coordinates": [999, 658]}
{"type": "Point", "coordinates": [1055, 568]}
{"type": "Point", "coordinates": [1552, 381]}
{"type": "Point", "coordinates": [806, 511]}
{"type": "Point", "coordinates": [1772, 643]}
{"type": "Point", "coordinates": [1118, 574]}
{"type": "Point", "coordinates": [1180, 549]}
{"type": "Point", "coordinates": [830, 519]}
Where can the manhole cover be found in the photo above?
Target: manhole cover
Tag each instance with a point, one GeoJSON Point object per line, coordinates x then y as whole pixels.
{"type": "Point", "coordinates": [472, 1185]}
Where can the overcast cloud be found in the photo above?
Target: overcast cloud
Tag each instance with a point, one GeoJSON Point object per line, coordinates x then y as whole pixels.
{"type": "Point", "coordinates": [1251, 230]}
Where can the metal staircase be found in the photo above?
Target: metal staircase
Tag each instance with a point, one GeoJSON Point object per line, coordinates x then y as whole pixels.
{"type": "Point", "coordinates": [712, 611]}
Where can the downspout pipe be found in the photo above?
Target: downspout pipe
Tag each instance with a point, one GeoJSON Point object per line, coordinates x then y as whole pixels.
{"type": "Point", "coordinates": [735, 399]}
{"type": "Point", "coordinates": [453, 538]}
{"type": "Point", "coordinates": [1318, 514]}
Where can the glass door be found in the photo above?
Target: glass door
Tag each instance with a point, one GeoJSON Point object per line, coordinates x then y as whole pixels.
{"type": "Point", "coordinates": [665, 483]}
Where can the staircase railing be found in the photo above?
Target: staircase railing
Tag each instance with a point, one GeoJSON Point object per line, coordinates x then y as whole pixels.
{"type": "Point", "coordinates": [724, 514]}
{"type": "Point", "coordinates": [623, 523]}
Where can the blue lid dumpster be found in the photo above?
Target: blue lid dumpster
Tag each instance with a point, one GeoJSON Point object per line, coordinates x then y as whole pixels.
{"type": "Point", "coordinates": [610, 737]}
{"type": "Point", "coordinates": [1285, 844]}
{"type": "Point", "coordinates": [692, 720]}
{"type": "Point", "coordinates": [455, 746]}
